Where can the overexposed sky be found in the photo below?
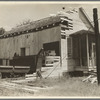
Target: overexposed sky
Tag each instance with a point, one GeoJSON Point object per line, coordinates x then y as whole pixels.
{"type": "Point", "coordinates": [13, 13]}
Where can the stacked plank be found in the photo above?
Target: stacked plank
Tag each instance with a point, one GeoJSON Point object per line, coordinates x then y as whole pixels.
{"type": "Point", "coordinates": [51, 60]}
{"type": "Point", "coordinates": [91, 78]}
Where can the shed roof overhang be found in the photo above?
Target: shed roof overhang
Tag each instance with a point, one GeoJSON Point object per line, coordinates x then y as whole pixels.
{"type": "Point", "coordinates": [81, 32]}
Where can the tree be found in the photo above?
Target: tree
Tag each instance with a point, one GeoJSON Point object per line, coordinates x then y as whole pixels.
{"type": "Point", "coordinates": [2, 30]}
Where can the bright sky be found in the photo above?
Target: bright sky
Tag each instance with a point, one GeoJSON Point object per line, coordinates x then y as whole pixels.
{"type": "Point", "coordinates": [12, 13]}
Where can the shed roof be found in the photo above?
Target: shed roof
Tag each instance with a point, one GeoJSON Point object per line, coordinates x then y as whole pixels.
{"type": "Point", "coordinates": [34, 25]}
{"type": "Point", "coordinates": [81, 32]}
{"type": "Point", "coordinates": [38, 23]}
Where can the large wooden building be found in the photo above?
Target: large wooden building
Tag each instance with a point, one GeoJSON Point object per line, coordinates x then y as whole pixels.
{"type": "Point", "coordinates": [52, 34]}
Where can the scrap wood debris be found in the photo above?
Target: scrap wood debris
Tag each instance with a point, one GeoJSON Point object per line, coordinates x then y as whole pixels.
{"type": "Point", "coordinates": [91, 78]}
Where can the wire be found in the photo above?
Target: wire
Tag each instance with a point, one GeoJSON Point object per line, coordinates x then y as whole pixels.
{"type": "Point", "coordinates": [65, 55]}
{"type": "Point", "coordinates": [81, 24]}
{"type": "Point", "coordinates": [55, 67]}
{"type": "Point", "coordinates": [85, 23]}
{"type": "Point", "coordinates": [92, 22]}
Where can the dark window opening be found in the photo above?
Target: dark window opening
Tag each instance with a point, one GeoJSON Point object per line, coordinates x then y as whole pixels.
{"type": "Point", "coordinates": [69, 41]}
{"type": "Point", "coordinates": [63, 36]}
{"type": "Point", "coordinates": [22, 51]}
{"type": "Point", "coordinates": [1, 62]}
{"type": "Point", "coordinates": [62, 28]}
{"type": "Point", "coordinates": [52, 47]}
{"type": "Point", "coordinates": [65, 23]}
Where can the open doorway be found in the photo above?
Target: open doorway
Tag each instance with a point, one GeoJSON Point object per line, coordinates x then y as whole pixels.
{"type": "Point", "coordinates": [52, 48]}
{"type": "Point", "coordinates": [52, 53]}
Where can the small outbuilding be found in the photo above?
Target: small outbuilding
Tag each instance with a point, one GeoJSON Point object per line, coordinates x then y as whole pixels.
{"type": "Point", "coordinates": [84, 50]}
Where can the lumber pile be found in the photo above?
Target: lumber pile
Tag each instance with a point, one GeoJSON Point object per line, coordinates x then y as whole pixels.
{"type": "Point", "coordinates": [91, 78]}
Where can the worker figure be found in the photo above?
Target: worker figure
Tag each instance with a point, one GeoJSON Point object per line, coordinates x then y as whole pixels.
{"type": "Point", "coordinates": [39, 62]}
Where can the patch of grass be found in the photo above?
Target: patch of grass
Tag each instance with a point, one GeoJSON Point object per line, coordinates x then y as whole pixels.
{"type": "Point", "coordinates": [5, 92]}
{"type": "Point", "coordinates": [73, 87]}
{"type": "Point", "coordinates": [52, 87]}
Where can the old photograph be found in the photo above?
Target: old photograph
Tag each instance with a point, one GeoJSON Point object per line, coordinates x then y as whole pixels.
{"type": "Point", "coordinates": [49, 49]}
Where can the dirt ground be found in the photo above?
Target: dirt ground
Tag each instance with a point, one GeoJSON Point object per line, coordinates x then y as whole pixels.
{"type": "Point", "coordinates": [50, 87]}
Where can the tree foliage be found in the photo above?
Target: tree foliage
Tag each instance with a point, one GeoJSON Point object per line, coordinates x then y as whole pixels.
{"type": "Point", "coordinates": [2, 30]}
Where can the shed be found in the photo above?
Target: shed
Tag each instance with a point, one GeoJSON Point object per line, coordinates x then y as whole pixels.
{"type": "Point", "coordinates": [84, 50]}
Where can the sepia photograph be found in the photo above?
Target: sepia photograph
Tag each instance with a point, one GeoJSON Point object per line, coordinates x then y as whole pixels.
{"type": "Point", "coordinates": [49, 49]}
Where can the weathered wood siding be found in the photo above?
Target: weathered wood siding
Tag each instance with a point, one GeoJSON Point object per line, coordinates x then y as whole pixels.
{"type": "Point", "coordinates": [77, 57]}
{"type": "Point", "coordinates": [76, 51]}
{"type": "Point", "coordinates": [64, 54]}
{"type": "Point", "coordinates": [33, 42]}
{"type": "Point", "coordinates": [84, 50]}
{"type": "Point", "coordinates": [92, 60]}
{"type": "Point", "coordinates": [80, 50]}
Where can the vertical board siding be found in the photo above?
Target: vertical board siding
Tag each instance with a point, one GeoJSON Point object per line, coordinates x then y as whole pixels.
{"type": "Point", "coordinates": [32, 41]}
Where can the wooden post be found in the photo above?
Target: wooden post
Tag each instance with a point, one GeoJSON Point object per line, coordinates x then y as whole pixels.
{"type": "Point", "coordinates": [87, 50]}
{"type": "Point", "coordinates": [80, 52]}
{"type": "Point", "coordinates": [96, 28]}
{"type": "Point", "coordinates": [60, 53]}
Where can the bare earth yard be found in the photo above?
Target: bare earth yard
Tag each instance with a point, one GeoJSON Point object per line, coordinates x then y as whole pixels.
{"type": "Point", "coordinates": [50, 87]}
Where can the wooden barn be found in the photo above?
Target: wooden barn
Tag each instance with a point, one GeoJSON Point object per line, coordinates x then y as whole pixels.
{"type": "Point", "coordinates": [25, 42]}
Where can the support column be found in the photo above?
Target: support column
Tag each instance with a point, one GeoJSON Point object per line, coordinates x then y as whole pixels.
{"type": "Point", "coordinates": [80, 52]}
{"type": "Point", "coordinates": [87, 46]}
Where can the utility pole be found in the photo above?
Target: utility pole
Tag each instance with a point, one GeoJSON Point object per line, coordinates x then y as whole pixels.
{"type": "Point", "coordinates": [97, 39]}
